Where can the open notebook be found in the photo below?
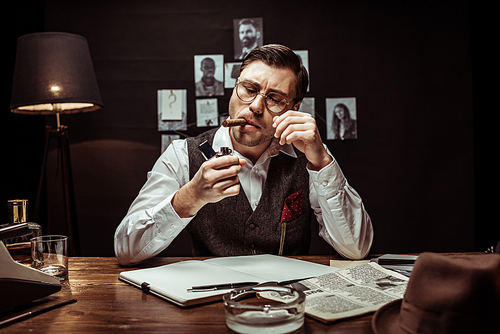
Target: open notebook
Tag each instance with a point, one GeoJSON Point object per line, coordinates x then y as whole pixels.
{"type": "Point", "coordinates": [171, 282]}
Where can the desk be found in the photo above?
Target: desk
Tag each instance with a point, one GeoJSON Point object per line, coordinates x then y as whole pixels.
{"type": "Point", "coordinates": [106, 304]}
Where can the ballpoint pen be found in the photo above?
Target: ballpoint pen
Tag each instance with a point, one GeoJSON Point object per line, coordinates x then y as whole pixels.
{"type": "Point", "coordinates": [227, 286]}
{"type": "Point", "coordinates": [215, 287]}
{"type": "Point", "coordinates": [31, 314]}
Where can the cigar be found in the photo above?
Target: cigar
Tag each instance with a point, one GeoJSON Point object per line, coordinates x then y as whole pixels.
{"type": "Point", "coordinates": [233, 122]}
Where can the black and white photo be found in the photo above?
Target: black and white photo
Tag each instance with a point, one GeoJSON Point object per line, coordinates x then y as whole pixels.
{"type": "Point", "coordinates": [341, 118]}
{"type": "Point", "coordinates": [208, 72]}
{"type": "Point", "coordinates": [248, 35]}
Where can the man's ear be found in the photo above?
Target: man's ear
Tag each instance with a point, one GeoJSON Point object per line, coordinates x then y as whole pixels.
{"type": "Point", "coordinates": [297, 106]}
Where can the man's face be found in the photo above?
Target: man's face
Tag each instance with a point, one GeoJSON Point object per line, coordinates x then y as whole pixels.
{"type": "Point", "coordinates": [259, 129]}
{"type": "Point", "coordinates": [248, 35]}
{"type": "Point", "coordinates": [208, 68]}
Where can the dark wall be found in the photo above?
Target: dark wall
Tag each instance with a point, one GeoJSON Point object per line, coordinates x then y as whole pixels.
{"type": "Point", "coordinates": [21, 135]}
{"type": "Point", "coordinates": [486, 142]}
{"type": "Point", "coordinates": [409, 65]}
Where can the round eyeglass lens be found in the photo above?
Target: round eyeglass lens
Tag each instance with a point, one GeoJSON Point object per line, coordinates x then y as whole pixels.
{"type": "Point", "coordinates": [247, 92]}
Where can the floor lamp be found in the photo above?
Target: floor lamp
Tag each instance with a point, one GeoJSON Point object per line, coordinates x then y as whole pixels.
{"type": "Point", "coordinates": [54, 75]}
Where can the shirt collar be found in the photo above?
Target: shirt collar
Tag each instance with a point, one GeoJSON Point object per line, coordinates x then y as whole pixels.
{"type": "Point", "coordinates": [250, 48]}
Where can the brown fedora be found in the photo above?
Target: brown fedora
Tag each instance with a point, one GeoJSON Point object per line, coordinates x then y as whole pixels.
{"type": "Point", "coordinates": [446, 294]}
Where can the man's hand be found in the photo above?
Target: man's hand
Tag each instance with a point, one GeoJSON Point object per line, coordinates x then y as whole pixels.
{"type": "Point", "coordinates": [299, 129]}
{"type": "Point", "coordinates": [216, 179]}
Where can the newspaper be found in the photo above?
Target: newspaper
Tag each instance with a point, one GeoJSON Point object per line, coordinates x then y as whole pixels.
{"type": "Point", "coordinates": [349, 292]}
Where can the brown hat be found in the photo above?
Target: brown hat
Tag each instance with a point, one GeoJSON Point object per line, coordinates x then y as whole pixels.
{"type": "Point", "coordinates": [446, 294]}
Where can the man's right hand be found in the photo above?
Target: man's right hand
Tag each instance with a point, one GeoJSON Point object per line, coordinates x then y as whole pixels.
{"type": "Point", "coordinates": [216, 179]}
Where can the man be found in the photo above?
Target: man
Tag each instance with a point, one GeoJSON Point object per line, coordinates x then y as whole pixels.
{"type": "Point", "coordinates": [262, 198]}
{"type": "Point", "coordinates": [249, 34]}
{"type": "Point", "coordinates": [208, 85]}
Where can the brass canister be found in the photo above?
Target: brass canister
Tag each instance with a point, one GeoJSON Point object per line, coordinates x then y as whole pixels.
{"type": "Point", "coordinates": [20, 247]}
{"type": "Point", "coordinates": [18, 210]}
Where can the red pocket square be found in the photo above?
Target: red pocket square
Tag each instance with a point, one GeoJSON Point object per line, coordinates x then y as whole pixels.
{"type": "Point", "coordinates": [292, 207]}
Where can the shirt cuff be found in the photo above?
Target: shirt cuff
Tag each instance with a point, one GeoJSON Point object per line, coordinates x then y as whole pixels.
{"type": "Point", "coordinates": [329, 181]}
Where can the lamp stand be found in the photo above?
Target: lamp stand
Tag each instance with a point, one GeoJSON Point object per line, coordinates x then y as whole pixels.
{"type": "Point", "coordinates": [61, 134]}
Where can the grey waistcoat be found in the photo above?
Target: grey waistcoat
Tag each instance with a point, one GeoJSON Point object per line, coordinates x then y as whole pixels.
{"type": "Point", "coordinates": [230, 227]}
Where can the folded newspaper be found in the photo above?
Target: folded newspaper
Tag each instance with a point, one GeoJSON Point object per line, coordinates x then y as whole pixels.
{"type": "Point", "coordinates": [348, 292]}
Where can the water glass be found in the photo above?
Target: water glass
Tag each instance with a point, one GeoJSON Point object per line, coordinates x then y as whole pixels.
{"type": "Point", "coordinates": [49, 253]}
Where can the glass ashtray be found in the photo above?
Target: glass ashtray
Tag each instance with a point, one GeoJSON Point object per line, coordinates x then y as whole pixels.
{"type": "Point", "coordinates": [264, 309]}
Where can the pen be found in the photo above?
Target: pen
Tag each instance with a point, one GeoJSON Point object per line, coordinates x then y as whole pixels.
{"type": "Point", "coordinates": [293, 281]}
{"type": "Point", "coordinates": [33, 313]}
{"type": "Point", "coordinates": [205, 288]}
{"type": "Point", "coordinates": [215, 287]}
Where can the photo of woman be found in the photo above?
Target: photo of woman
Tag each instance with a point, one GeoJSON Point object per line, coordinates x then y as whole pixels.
{"type": "Point", "coordinates": [341, 117]}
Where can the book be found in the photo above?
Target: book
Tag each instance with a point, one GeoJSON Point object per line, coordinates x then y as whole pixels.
{"type": "Point", "coordinates": [395, 259]}
{"type": "Point", "coordinates": [172, 282]}
{"type": "Point", "coordinates": [400, 263]}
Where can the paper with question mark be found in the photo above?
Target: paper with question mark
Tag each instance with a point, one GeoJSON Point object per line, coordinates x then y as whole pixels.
{"type": "Point", "coordinates": [171, 104]}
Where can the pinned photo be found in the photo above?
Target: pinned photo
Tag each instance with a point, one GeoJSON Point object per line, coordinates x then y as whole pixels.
{"type": "Point", "coordinates": [231, 72]}
{"type": "Point", "coordinates": [172, 109]}
{"type": "Point", "coordinates": [166, 140]}
{"type": "Point", "coordinates": [208, 75]}
{"type": "Point", "coordinates": [304, 60]}
{"type": "Point", "coordinates": [341, 118]}
{"type": "Point", "coordinates": [206, 113]}
{"type": "Point", "coordinates": [248, 35]}
{"type": "Point", "coordinates": [307, 106]}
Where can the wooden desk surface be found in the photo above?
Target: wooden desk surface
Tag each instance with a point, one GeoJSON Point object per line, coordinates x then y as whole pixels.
{"type": "Point", "coordinates": [106, 304]}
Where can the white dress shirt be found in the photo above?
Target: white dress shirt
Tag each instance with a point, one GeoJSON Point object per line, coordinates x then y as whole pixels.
{"type": "Point", "coordinates": [151, 223]}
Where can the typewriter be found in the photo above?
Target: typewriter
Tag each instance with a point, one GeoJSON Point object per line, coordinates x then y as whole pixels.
{"type": "Point", "coordinates": [20, 284]}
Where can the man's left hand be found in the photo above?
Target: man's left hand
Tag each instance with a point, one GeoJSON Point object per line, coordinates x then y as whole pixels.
{"type": "Point", "coordinates": [299, 129]}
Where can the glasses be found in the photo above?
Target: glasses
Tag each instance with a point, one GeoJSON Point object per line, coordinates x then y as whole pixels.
{"type": "Point", "coordinates": [247, 92]}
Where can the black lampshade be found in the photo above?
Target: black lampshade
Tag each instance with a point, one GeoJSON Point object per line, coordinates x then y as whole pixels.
{"type": "Point", "coordinates": [54, 74]}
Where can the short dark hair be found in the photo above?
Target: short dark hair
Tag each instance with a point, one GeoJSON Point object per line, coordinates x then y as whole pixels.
{"type": "Point", "coordinates": [251, 22]}
{"type": "Point", "coordinates": [207, 60]}
{"type": "Point", "coordinates": [280, 56]}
